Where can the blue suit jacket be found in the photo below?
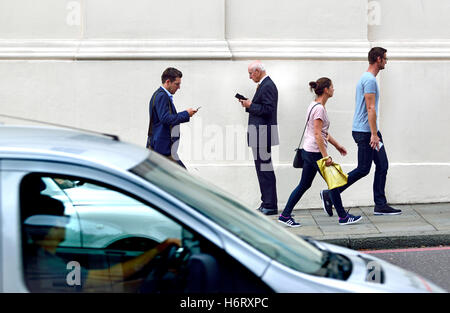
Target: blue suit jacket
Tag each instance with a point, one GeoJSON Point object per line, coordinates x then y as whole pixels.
{"type": "Point", "coordinates": [262, 120]}
{"type": "Point", "coordinates": [165, 129]}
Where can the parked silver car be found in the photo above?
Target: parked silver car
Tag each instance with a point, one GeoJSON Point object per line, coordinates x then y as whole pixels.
{"type": "Point", "coordinates": [89, 207]}
{"type": "Point", "coordinates": [119, 203]}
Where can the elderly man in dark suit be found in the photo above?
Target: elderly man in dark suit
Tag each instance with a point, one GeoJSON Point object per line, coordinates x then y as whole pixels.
{"type": "Point", "coordinates": [164, 125]}
{"type": "Point", "coordinates": [263, 134]}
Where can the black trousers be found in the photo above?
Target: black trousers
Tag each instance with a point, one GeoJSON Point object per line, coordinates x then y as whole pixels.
{"type": "Point", "coordinates": [310, 169]}
{"type": "Point", "coordinates": [266, 177]}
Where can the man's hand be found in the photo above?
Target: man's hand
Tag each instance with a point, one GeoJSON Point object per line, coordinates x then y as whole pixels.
{"type": "Point", "coordinates": [246, 103]}
{"type": "Point", "coordinates": [329, 161]}
{"type": "Point", "coordinates": [168, 242]}
{"type": "Point", "coordinates": [374, 141]}
{"type": "Point", "coordinates": [191, 111]}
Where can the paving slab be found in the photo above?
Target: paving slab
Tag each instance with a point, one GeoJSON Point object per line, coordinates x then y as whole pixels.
{"type": "Point", "coordinates": [419, 225]}
{"type": "Point", "coordinates": [308, 227]}
{"type": "Point", "coordinates": [330, 225]}
{"type": "Point", "coordinates": [405, 222]}
{"type": "Point", "coordinates": [437, 215]}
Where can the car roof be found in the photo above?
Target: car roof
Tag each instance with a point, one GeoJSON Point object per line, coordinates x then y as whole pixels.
{"type": "Point", "coordinates": [44, 142]}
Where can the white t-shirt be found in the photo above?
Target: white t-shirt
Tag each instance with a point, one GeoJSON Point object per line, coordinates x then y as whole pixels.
{"type": "Point", "coordinates": [309, 141]}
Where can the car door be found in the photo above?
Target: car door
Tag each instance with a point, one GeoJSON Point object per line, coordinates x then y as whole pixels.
{"type": "Point", "coordinates": [112, 235]}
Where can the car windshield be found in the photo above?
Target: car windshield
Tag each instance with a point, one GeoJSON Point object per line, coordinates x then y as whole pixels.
{"type": "Point", "coordinates": [255, 229]}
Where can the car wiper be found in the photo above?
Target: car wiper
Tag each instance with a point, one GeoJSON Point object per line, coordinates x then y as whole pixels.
{"type": "Point", "coordinates": [311, 241]}
{"type": "Point", "coordinates": [335, 266]}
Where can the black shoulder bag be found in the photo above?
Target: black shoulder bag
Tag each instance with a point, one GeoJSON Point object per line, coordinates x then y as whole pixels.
{"type": "Point", "coordinates": [298, 159]}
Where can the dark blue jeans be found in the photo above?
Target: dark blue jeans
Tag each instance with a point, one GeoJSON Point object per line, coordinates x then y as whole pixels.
{"type": "Point", "coordinates": [365, 157]}
{"type": "Point", "coordinates": [310, 168]}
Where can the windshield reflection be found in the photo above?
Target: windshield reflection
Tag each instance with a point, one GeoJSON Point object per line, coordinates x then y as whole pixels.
{"type": "Point", "coordinates": [257, 230]}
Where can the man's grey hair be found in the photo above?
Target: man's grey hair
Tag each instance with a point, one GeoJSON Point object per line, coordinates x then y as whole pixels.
{"type": "Point", "coordinates": [258, 65]}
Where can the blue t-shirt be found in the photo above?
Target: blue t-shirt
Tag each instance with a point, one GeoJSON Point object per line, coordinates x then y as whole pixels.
{"type": "Point", "coordinates": [367, 84]}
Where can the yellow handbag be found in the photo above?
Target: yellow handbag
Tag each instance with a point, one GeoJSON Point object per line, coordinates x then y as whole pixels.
{"type": "Point", "coordinates": [333, 174]}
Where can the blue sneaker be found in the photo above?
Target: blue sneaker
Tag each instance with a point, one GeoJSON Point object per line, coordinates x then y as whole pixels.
{"type": "Point", "coordinates": [349, 219]}
{"type": "Point", "coordinates": [326, 202]}
{"type": "Point", "coordinates": [288, 221]}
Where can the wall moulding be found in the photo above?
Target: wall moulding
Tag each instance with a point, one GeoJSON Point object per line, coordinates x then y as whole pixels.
{"type": "Point", "coordinates": [215, 49]}
{"type": "Point", "coordinates": [114, 49]}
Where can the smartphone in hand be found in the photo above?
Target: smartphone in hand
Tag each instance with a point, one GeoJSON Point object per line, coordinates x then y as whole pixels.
{"type": "Point", "coordinates": [240, 97]}
{"type": "Point", "coordinates": [380, 144]}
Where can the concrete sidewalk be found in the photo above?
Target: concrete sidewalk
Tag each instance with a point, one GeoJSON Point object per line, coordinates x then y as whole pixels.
{"type": "Point", "coordinates": [418, 225]}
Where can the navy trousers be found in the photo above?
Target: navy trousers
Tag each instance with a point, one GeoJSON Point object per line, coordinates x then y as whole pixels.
{"type": "Point", "coordinates": [176, 160]}
{"type": "Point", "coordinates": [266, 177]}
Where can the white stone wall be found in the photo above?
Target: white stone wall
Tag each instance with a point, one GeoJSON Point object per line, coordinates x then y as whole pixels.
{"type": "Point", "coordinates": [95, 63]}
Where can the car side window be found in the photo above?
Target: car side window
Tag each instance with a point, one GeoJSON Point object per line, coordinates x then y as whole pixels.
{"type": "Point", "coordinates": [81, 236]}
{"type": "Point", "coordinates": [84, 236]}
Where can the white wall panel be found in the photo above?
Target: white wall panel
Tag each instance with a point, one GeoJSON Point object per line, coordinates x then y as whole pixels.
{"type": "Point", "coordinates": [144, 19]}
{"type": "Point", "coordinates": [42, 19]}
{"type": "Point", "coordinates": [305, 20]}
{"type": "Point", "coordinates": [98, 69]}
{"type": "Point", "coordinates": [411, 20]}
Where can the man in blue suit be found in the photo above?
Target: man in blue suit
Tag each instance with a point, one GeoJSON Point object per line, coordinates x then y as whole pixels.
{"type": "Point", "coordinates": [164, 126]}
{"type": "Point", "coordinates": [262, 134]}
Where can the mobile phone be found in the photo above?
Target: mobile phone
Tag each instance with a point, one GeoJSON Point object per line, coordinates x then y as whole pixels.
{"type": "Point", "coordinates": [240, 97]}
{"type": "Point", "coordinates": [380, 144]}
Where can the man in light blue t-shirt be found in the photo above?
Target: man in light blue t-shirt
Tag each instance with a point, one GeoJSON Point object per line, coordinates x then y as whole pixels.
{"type": "Point", "coordinates": [367, 85]}
{"type": "Point", "coordinates": [368, 138]}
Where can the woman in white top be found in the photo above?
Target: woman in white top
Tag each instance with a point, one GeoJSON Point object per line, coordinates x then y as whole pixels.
{"type": "Point", "coordinates": [315, 148]}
